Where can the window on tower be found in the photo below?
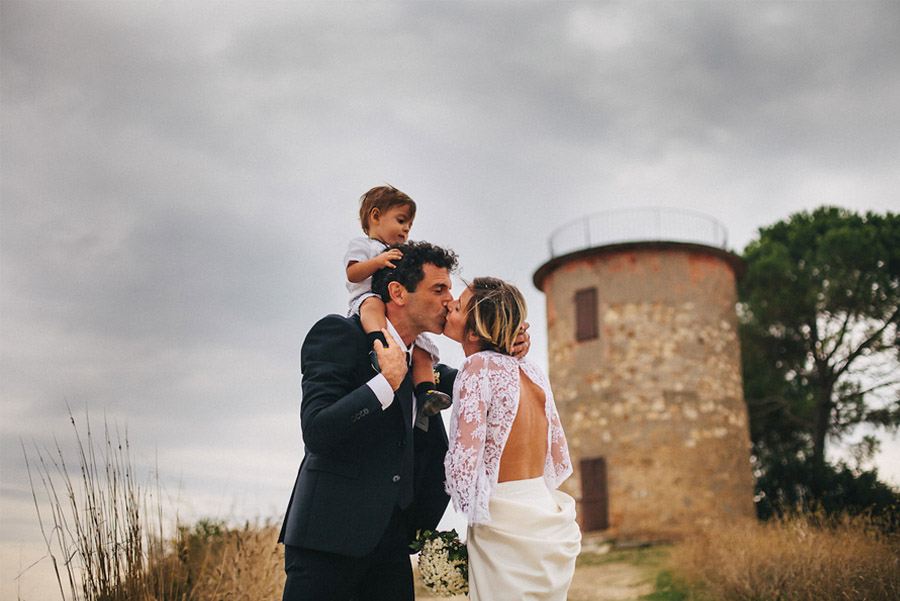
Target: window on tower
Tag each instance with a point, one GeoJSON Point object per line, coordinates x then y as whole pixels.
{"type": "Point", "coordinates": [586, 314]}
{"type": "Point", "coordinates": [594, 494]}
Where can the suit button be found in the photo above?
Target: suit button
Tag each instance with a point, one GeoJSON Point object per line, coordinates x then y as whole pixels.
{"type": "Point", "coordinates": [396, 478]}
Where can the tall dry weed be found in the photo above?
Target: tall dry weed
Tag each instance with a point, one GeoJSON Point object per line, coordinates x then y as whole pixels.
{"type": "Point", "coordinates": [94, 531]}
{"type": "Point", "coordinates": [107, 539]}
{"type": "Point", "coordinates": [797, 558]}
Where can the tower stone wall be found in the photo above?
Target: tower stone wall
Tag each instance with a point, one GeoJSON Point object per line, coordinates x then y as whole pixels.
{"type": "Point", "coordinates": [657, 394]}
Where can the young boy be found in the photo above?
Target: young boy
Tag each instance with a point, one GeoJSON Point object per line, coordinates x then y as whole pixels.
{"type": "Point", "coordinates": [387, 215]}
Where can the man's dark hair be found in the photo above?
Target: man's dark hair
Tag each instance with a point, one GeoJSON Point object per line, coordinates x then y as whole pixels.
{"type": "Point", "coordinates": [408, 270]}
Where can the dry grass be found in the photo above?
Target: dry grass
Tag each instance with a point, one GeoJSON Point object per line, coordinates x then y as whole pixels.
{"type": "Point", "coordinates": [107, 540]}
{"type": "Point", "coordinates": [799, 558]}
{"type": "Point", "coordinates": [106, 535]}
{"type": "Point", "coordinates": [211, 562]}
{"type": "Point", "coordinates": [95, 532]}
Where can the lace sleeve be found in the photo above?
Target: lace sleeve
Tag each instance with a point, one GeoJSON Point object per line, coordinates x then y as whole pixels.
{"type": "Point", "coordinates": [468, 430]}
{"type": "Point", "coordinates": [559, 464]}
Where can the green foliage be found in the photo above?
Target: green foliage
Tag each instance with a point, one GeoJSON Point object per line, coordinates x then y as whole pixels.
{"type": "Point", "coordinates": [207, 528]}
{"type": "Point", "coordinates": [786, 487]}
{"type": "Point", "coordinates": [646, 556]}
{"type": "Point", "coordinates": [194, 543]}
{"type": "Point", "coordinates": [668, 589]}
{"type": "Point", "coordinates": [450, 537]}
{"type": "Point", "coordinates": [819, 334]}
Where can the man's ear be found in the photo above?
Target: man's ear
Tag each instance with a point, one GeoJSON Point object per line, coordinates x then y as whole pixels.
{"type": "Point", "coordinates": [397, 293]}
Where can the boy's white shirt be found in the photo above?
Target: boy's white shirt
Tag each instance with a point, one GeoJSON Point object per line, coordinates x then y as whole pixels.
{"type": "Point", "coordinates": [361, 249]}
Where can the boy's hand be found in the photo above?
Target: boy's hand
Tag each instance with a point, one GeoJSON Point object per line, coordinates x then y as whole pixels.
{"type": "Point", "coordinates": [391, 360]}
{"type": "Point", "coordinates": [522, 344]}
{"type": "Point", "coordinates": [385, 259]}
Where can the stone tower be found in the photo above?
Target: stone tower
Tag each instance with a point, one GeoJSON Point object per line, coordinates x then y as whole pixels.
{"type": "Point", "coordinates": [645, 365]}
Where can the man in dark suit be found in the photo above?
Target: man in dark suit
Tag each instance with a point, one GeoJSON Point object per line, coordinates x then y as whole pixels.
{"type": "Point", "coordinates": [372, 472]}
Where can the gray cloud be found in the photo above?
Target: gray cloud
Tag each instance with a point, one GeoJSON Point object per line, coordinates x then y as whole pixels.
{"type": "Point", "coordinates": [179, 180]}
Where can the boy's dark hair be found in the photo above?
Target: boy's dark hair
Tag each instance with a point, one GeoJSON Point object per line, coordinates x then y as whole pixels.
{"type": "Point", "coordinates": [408, 270]}
{"type": "Point", "coordinates": [383, 198]}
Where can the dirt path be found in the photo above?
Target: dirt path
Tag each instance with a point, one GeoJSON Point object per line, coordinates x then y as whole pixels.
{"type": "Point", "coordinates": [617, 581]}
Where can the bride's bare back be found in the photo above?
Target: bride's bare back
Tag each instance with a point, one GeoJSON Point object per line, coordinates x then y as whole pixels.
{"type": "Point", "coordinates": [525, 452]}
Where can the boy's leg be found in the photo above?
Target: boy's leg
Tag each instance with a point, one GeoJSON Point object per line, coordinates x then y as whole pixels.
{"type": "Point", "coordinates": [372, 317]}
{"type": "Point", "coordinates": [428, 398]}
{"type": "Point", "coordinates": [422, 370]}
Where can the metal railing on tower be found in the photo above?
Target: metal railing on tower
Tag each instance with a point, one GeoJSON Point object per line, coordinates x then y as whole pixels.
{"type": "Point", "coordinates": [646, 224]}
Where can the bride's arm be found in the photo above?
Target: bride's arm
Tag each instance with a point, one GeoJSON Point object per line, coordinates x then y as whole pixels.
{"type": "Point", "coordinates": [468, 429]}
{"type": "Point", "coordinates": [559, 449]}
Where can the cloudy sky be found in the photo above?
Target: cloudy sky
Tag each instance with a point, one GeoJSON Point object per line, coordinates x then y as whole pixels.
{"type": "Point", "coordinates": [179, 181]}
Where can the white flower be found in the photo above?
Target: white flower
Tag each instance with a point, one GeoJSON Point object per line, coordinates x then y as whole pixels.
{"type": "Point", "coordinates": [443, 563]}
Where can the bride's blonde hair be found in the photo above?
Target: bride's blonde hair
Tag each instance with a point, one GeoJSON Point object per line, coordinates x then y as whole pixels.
{"type": "Point", "coordinates": [495, 313]}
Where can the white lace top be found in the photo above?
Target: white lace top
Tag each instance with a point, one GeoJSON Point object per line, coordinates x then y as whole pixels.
{"type": "Point", "coordinates": [485, 403]}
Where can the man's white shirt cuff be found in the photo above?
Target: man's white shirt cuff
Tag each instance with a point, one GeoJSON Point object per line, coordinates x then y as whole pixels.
{"type": "Point", "coordinates": [382, 390]}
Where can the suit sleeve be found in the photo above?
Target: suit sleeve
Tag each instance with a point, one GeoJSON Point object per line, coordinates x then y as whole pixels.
{"type": "Point", "coordinates": [431, 499]}
{"type": "Point", "coordinates": [431, 446]}
{"type": "Point", "coordinates": [446, 378]}
{"type": "Point", "coordinates": [334, 407]}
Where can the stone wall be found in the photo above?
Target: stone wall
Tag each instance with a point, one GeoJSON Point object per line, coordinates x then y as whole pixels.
{"type": "Point", "coordinates": [658, 394]}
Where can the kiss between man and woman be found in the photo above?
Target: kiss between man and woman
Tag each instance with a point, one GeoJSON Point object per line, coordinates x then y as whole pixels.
{"type": "Point", "coordinates": [378, 464]}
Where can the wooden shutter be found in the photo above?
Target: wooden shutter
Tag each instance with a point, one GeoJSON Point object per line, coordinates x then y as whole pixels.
{"type": "Point", "coordinates": [586, 314]}
{"type": "Point", "coordinates": [594, 494]}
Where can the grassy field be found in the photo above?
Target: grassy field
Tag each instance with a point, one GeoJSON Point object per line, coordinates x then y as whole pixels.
{"type": "Point", "coordinates": [790, 560]}
{"type": "Point", "coordinates": [108, 541]}
{"type": "Point", "coordinates": [807, 557]}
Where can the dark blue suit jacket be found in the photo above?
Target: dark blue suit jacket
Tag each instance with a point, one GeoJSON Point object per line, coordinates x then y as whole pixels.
{"type": "Point", "coordinates": [360, 461]}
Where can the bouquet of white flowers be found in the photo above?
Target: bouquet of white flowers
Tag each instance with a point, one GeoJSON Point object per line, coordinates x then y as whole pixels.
{"type": "Point", "coordinates": [443, 562]}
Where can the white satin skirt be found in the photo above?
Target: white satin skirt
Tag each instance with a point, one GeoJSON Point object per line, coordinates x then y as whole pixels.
{"type": "Point", "coordinates": [528, 551]}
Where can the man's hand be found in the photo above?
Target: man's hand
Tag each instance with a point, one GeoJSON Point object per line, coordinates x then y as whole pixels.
{"type": "Point", "coordinates": [391, 360]}
{"type": "Point", "coordinates": [522, 344]}
{"type": "Point", "coordinates": [386, 258]}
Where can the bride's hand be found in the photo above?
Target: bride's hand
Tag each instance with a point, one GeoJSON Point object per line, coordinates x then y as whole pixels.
{"type": "Point", "coordinates": [522, 344]}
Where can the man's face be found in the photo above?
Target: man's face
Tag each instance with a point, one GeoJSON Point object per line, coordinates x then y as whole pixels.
{"type": "Point", "coordinates": [427, 306]}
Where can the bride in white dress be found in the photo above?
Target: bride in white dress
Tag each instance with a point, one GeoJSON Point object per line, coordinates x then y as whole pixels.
{"type": "Point", "coordinates": [507, 456]}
